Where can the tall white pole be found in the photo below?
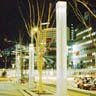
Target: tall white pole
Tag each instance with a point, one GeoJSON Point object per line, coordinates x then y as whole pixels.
{"type": "Point", "coordinates": [95, 58]}
{"type": "Point", "coordinates": [18, 70]}
{"type": "Point", "coordinates": [61, 45]}
{"type": "Point", "coordinates": [31, 66]}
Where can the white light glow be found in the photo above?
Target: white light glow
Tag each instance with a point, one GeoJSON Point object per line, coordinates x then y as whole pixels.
{"type": "Point", "coordinates": [87, 42]}
{"type": "Point", "coordinates": [82, 32]}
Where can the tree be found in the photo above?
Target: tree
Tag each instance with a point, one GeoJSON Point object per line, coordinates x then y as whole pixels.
{"type": "Point", "coordinates": [38, 12]}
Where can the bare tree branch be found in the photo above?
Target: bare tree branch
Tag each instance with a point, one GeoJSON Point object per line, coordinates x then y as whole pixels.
{"type": "Point", "coordinates": [84, 4]}
{"type": "Point", "coordinates": [27, 28]}
{"type": "Point", "coordinates": [30, 13]}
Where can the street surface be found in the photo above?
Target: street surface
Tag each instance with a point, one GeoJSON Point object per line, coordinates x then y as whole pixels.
{"type": "Point", "coordinates": [8, 89]}
{"type": "Point", "coordinates": [11, 88]}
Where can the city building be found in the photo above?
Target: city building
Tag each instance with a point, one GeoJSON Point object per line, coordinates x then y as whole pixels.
{"type": "Point", "coordinates": [84, 44]}
{"type": "Point", "coordinates": [84, 48]}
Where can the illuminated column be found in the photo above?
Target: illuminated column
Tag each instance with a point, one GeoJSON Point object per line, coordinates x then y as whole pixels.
{"type": "Point", "coordinates": [18, 71]}
{"type": "Point", "coordinates": [95, 58]}
{"type": "Point", "coordinates": [31, 66]}
{"type": "Point", "coordinates": [61, 45]}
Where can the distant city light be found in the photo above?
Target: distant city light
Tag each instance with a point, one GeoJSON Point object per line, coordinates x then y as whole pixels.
{"type": "Point", "coordinates": [82, 32]}
{"type": "Point", "coordinates": [45, 23]}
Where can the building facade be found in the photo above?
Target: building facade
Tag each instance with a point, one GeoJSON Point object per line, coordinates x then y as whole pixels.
{"type": "Point", "coordinates": [84, 49]}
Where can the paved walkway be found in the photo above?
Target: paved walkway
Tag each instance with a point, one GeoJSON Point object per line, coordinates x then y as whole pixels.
{"type": "Point", "coordinates": [49, 90]}
{"type": "Point", "coordinates": [8, 89]}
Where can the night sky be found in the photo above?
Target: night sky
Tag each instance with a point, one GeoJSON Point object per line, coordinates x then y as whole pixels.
{"type": "Point", "coordinates": [11, 23]}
